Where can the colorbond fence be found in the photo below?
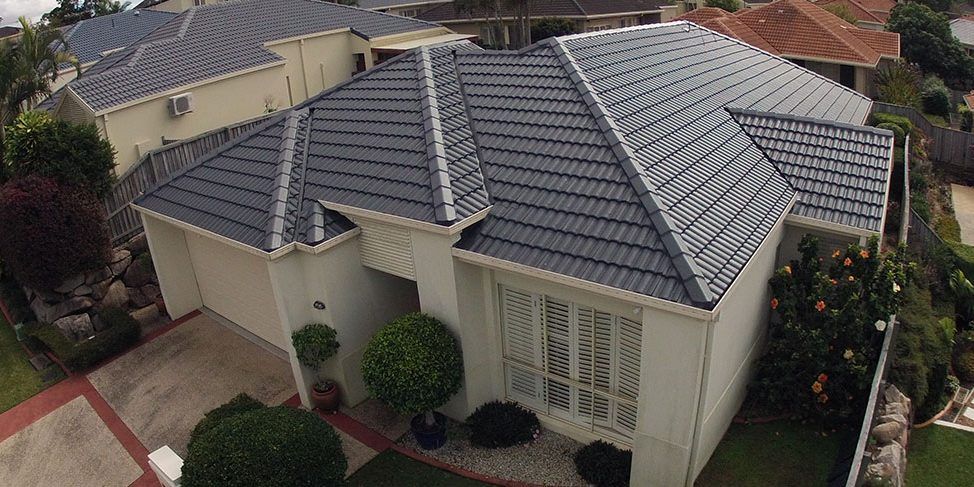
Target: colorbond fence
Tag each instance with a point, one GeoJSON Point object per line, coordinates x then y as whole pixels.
{"type": "Point", "coordinates": [155, 168]}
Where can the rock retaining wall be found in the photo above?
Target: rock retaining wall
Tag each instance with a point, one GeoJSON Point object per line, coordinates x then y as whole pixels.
{"type": "Point", "coordinates": [891, 432]}
{"type": "Point", "coordinates": [128, 282]}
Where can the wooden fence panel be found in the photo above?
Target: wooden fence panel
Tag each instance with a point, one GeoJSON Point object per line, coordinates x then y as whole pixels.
{"type": "Point", "coordinates": [951, 149]}
{"type": "Point", "coordinates": [157, 167]}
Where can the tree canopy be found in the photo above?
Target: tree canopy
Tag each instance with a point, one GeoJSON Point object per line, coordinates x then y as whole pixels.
{"type": "Point", "coordinates": [926, 40]}
{"type": "Point", "coordinates": [73, 11]}
{"type": "Point", "coordinates": [728, 5]}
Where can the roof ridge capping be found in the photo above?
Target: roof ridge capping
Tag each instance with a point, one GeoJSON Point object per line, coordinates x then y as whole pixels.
{"type": "Point", "coordinates": [690, 273]}
{"type": "Point", "coordinates": [802, 118]}
{"type": "Point", "coordinates": [443, 204]}
{"type": "Point", "coordinates": [274, 233]}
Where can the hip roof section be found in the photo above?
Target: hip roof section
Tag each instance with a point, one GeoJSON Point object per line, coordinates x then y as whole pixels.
{"type": "Point", "coordinates": [89, 39]}
{"type": "Point", "coordinates": [214, 40]}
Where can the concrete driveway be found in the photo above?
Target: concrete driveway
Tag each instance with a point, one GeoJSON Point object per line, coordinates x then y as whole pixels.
{"type": "Point", "coordinates": [963, 200]}
{"type": "Point", "coordinates": [163, 388]}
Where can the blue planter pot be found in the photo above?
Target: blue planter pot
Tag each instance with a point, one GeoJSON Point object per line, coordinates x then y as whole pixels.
{"type": "Point", "coordinates": [429, 438]}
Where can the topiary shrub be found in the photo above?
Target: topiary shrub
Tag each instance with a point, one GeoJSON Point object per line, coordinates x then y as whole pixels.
{"type": "Point", "coordinates": [603, 465]}
{"type": "Point", "coordinates": [314, 344]}
{"type": "Point", "coordinates": [964, 365]}
{"type": "Point", "coordinates": [903, 122]}
{"type": "Point", "coordinates": [499, 424]}
{"type": "Point", "coordinates": [49, 231]}
{"type": "Point", "coordinates": [898, 134]}
{"type": "Point", "coordinates": [121, 332]}
{"type": "Point", "coordinates": [413, 364]}
{"type": "Point", "coordinates": [240, 404]}
{"type": "Point", "coordinates": [266, 447]}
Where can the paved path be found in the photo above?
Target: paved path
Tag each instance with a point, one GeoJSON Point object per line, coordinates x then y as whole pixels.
{"type": "Point", "coordinates": [963, 200]}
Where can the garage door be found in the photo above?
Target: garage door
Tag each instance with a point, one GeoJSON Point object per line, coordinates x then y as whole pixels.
{"type": "Point", "coordinates": [237, 286]}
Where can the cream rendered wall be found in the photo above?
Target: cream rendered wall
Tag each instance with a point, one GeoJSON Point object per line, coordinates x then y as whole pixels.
{"type": "Point", "coordinates": [788, 249]}
{"type": "Point", "coordinates": [358, 301]}
{"type": "Point", "coordinates": [317, 63]}
{"type": "Point", "coordinates": [174, 268]}
{"type": "Point", "coordinates": [737, 341]}
{"type": "Point", "coordinates": [218, 103]}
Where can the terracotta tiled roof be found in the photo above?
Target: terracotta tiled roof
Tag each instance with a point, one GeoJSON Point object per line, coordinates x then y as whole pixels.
{"type": "Point", "coordinates": [886, 44]}
{"type": "Point", "coordinates": [969, 100]}
{"type": "Point", "coordinates": [703, 14]}
{"type": "Point", "coordinates": [858, 10]}
{"type": "Point", "coordinates": [799, 28]}
{"type": "Point", "coordinates": [732, 27]}
{"type": "Point", "coordinates": [878, 5]}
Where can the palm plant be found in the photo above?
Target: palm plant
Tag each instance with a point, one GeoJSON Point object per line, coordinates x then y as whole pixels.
{"type": "Point", "coordinates": [28, 66]}
{"type": "Point", "coordinates": [108, 7]}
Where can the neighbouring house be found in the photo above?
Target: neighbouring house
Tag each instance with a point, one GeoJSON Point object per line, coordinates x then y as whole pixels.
{"type": "Point", "coordinates": [92, 39]}
{"type": "Point", "coordinates": [827, 44]}
{"type": "Point", "coordinates": [869, 14]}
{"type": "Point", "coordinates": [405, 8]}
{"type": "Point", "coordinates": [214, 65]}
{"type": "Point", "coordinates": [9, 31]}
{"type": "Point", "coordinates": [963, 30]}
{"type": "Point", "coordinates": [588, 15]}
{"type": "Point", "coordinates": [595, 218]}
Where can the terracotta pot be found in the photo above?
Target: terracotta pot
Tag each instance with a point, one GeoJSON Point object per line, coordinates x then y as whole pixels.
{"type": "Point", "coordinates": [326, 396]}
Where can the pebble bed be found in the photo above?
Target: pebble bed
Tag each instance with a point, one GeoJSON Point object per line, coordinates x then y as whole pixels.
{"type": "Point", "coordinates": [545, 461]}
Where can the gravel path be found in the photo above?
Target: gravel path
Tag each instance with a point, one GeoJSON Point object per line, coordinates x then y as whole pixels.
{"type": "Point", "coordinates": [546, 461]}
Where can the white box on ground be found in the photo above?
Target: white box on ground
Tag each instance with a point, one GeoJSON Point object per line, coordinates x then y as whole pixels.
{"type": "Point", "coordinates": [167, 465]}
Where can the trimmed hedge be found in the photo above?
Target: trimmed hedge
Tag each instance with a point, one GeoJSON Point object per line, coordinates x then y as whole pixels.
{"type": "Point", "coordinates": [121, 332]}
{"type": "Point", "coordinates": [240, 404]}
{"type": "Point", "coordinates": [603, 465]}
{"type": "Point", "coordinates": [898, 134]}
{"type": "Point", "coordinates": [904, 123]}
{"type": "Point", "coordinates": [499, 424]}
{"type": "Point", "coordinates": [273, 446]}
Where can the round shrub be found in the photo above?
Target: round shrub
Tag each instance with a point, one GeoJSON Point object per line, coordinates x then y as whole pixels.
{"type": "Point", "coordinates": [898, 134]}
{"type": "Point", "coordinates": [266, 447]}
{"type": "Point", "coordinates": [49, 231]}
{"type": "Point", "coordinates": [314, 344]}
{"type": "Point", "coordinates": [603, 465]}
{"type": "Point", "coordinates": [964, 365]}
{"type": "Point", "coordinates": [499, 424]}
{"type": "Point", "coordinates": [240, 404]}
{"type": "Point", "coordinates": [413, 364]}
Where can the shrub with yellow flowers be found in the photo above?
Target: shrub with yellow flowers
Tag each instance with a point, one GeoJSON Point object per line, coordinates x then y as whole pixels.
{"type": "Point", "coordinates": [828, 319]}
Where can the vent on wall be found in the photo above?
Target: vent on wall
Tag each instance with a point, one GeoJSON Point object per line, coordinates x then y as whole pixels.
{"type": "Point", "coordinates": [181, 104]}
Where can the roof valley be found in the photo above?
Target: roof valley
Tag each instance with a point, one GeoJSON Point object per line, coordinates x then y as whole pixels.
{"type": "Point", "coordinates": [442, 192]}
{"type": "Point", "coordinates": [693, 278]}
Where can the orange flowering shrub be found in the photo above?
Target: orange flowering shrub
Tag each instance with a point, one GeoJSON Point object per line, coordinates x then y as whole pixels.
{"type": "Point", "coordinates": [824, 341]}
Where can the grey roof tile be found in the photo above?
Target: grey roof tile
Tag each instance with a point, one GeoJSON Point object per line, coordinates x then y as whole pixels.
{"type": "Point", "coordinates": [90, 38]}
{"type": "Point", "coordinates": [841, 171]}
{"type": "Point", "coordinates": [213, 40]}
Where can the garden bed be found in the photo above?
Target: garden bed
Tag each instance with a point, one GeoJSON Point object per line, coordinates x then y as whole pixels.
{"type": "Point", "coordinates": [777, 453]}
{"type": "Point", "coordinates": [545, 461]}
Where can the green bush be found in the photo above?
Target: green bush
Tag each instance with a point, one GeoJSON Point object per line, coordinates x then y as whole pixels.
{"type": "Point", "coordinates": [966, 117]}
{"type": "Point", "coordinates": [240, 404]}
{"type": "Point", "coordinates": [314, 344]}
{"type": "Point", "coordinates": [947, 227]}
{"type": "Point", "coordinates": [898, 134]}
{"type": "Point", "coordinates": [903, 122]}
{"type": "Point", "coordinates": [603, 465]}
{"type": "Point", "coordinates": [963, 257]}
{"type": "Point", "coordinates": [922, 352]}
{"type": "Point", "coordinates": [551, 27]}
{"type": "Point", "coordinates": [728, 5]}
{"type": "Point", "coordinates": [121, 332]}
{"type": "Point", "coordinates": [273, 446]}
{"type": "Point", "coordinates": [964, 365]}
{"type": "Point", "coordinates": [499, 424]}
{"type": "Point", "coordinates": [935, 97]}
{"type": "Point", "coordinates": [413, 364]}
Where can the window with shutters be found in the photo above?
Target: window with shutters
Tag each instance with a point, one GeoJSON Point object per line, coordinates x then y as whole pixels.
{"type": "Point", "coordinates": [572, 362]}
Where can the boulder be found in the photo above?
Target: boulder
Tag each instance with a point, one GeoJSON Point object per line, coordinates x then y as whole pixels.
{"type": "Point", "coordinates": [137, 244]}
{"type": "Point", "coordinates": [70, 284]}
{"type": "Point", "coordinates": [98, 275]}
{"type": "Point", "coordinates": [891, 460]}
{"type": "Point", "coordinates": [118, 267]}
{"type": "Point", "coordinates": [76, 327]}
{"type": "Point", "coordinates": [892, 394]}
{"type": "Point", "coordinates": [98, 324]}
{"type": "Point", "coordinates": [99, 289]}
{"type": "Point", "coordinates": [120, 254]}
{"type": "Point", "coordinates": [50, 313]}
{"type": "Point", "coordinates": [49, 297]}
{"type": "Point", "coordinates": [115, 297]}
{"type": "Point", "coordinates": [151, 291]}
{"type": "Point", "coordinates": [880, 474]}
{"type": "Point", "coordinates": [896, 408]}
{"type": "Point", "coordinates": [138, 299]}
{"type": "Point", "coordinates": [139, 273]}
{"type": "Point", "coordinates": [897, 418]}
{"type": "Point", "coordinates": [83, 290]}
{"type": "Point", "coordinates": [146, 315]}
{"type": "Point", "coordinates": [885, 433]}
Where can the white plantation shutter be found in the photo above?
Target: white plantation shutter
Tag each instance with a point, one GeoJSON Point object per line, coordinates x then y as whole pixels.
{"type": "Point", "coordinates": [572, 361]}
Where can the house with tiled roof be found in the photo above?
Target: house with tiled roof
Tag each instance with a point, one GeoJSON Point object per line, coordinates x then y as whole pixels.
{"type": "Point", "coordinates": [869, 14]}
{"type": "Point", "coordinates": [809, 36]}
{"type": "Point", "coordinates": [218, 64]}
{"type": "Point", "coordinates": [92, 39]}
{"type": "Point", "coordinates": [593, 216]}
{"type": "Point", "coordinates": [588, 16]}
{"type": "Point", "coordinates": [963, 29]}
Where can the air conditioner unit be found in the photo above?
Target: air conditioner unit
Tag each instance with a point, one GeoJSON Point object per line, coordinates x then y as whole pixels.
{"type": "Point", "coordinates": [181, 104]}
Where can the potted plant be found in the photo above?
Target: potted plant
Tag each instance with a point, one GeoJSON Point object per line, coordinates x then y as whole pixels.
{"type": "Point", "coordinates": [414, 365]}
{"type": "Point", "coordinates": [314, 344]}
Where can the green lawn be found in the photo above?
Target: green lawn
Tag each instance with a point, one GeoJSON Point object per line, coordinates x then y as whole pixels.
{"type": "Point", "coordinates": [777, 453]}
{"type": "Point", "coordinates": [18, 380]}
{"type": "Point", "coordinates": [390, 468]}
{"type": "Point", "coordinates": [939, 455]}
